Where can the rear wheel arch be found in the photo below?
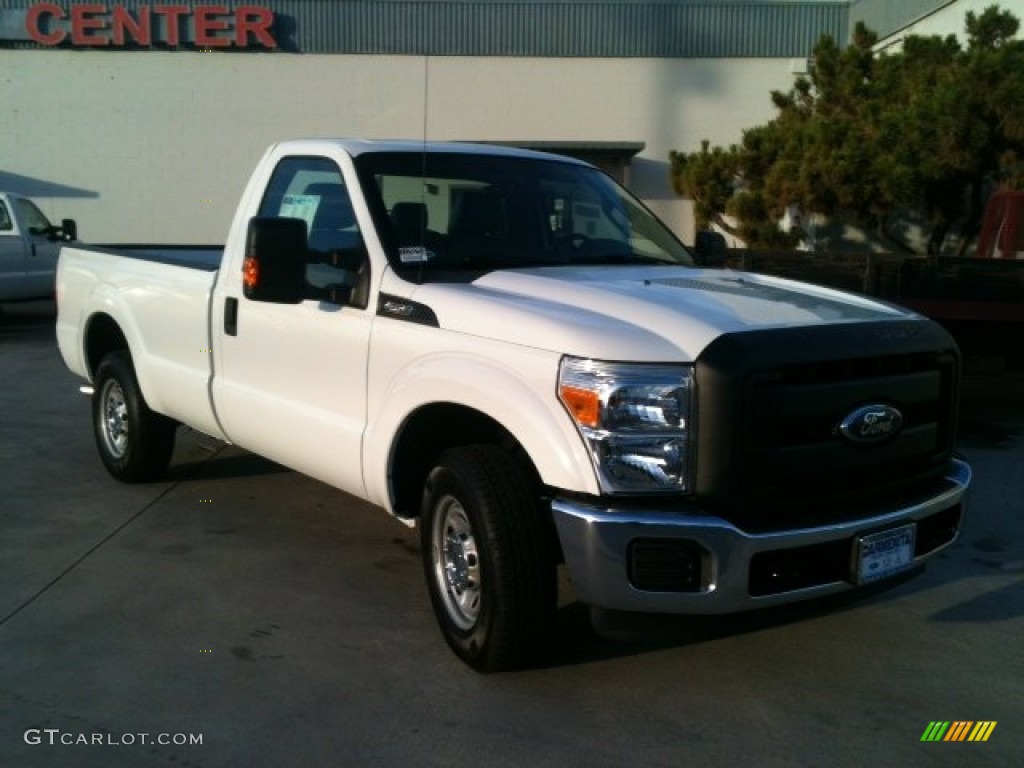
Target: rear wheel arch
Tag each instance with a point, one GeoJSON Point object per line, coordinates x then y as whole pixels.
{"type": "Point", "coordinates": [134, 443]}
{"type": "Point", "coordinates": [102, 337]}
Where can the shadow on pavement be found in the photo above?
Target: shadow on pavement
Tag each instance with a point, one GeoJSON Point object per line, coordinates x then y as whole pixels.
{"type": "Point", "coordinates": [997, 605]}
{"type": "Point", "coordinates": [16, 318]}
{"type": "Point", "coordinates": [587, 635]}
{"type": "Point", "coordinates": [223, 467]}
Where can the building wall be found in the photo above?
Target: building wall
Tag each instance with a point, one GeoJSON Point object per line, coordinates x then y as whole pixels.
{"type": "Point", "coordinates": [156, 146]}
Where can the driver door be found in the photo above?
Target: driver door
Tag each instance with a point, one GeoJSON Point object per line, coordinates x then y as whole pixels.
{"type": "Point", "coordinates": [12, 256]}
{"type": "Point", "coordinates": [41, 249]}
{"type": "Point", "coordinates": [291, 383]}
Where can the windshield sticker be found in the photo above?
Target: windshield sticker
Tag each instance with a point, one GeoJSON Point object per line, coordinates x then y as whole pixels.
{"type": "Point", "coordinates": [300, 207]}
{"type": "Point", "coordinates": [415, 254]}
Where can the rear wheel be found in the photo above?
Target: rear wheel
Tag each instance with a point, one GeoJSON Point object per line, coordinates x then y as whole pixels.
{"type": "Point", "coordinates": [134, 443]}
{"type": "Point", "coordinates": [487, 559]}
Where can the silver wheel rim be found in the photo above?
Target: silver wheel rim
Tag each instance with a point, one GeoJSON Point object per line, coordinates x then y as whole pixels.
{"type": "Point", "coordinates": [456, 563]}
{"type": "Point", "coordinates": [114, 419]}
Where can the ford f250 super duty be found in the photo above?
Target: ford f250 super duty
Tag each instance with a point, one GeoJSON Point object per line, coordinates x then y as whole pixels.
{"type": "Point", "coordinates": [29, 244]}
{"type": "Point", "coordinates": [507, 348]}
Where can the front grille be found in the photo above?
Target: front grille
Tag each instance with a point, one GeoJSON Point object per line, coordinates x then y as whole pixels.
{"type": "Point", "coordinates": [767, 427]}
{"type": "Point", "coordinates": [810, 462]}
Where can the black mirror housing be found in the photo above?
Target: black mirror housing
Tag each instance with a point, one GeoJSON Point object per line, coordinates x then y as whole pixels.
{"type": "Point", "coordinates": [274, 269]}
{"type": "Point", "coordinates": [68, 230]}
{"type": "Point", "coordinates": [711, 249]}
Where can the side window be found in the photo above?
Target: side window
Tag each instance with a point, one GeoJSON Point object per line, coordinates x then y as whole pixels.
{"type": "Point", "coordinates": [6, 225]}
{"type": "Point", "coordinates": [313, 189]}
{"type": "Point", "coordinates": [32, 219]}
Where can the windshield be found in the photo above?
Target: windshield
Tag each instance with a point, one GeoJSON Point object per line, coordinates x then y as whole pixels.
{"type": "Point", "coordinates": [450, 212]}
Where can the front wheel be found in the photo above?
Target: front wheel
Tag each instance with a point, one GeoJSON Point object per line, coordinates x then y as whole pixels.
{"type": "Point", "coordinates": [487, 558]}
{"type": "Point", "coordinates": [134, 443]}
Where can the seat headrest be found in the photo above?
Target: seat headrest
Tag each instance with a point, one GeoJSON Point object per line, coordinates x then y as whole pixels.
{"type": "Point", "coordinates": [410, 218]}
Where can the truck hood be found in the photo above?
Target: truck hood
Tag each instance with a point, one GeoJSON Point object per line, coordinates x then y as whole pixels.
{"type": "Point", "coordinates": [636, 313]}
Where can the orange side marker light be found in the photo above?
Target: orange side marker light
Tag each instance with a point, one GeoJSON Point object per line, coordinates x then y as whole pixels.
{"type": "Point", "coordinates": [584, 404]}
{"type": "Point", "coordinates": [250, 272]}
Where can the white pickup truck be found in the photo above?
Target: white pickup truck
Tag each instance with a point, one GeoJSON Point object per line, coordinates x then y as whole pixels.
{"type": "Point", "coordinates": [29, 245]}
{"type": "Point", "coordinates": [509, 349]}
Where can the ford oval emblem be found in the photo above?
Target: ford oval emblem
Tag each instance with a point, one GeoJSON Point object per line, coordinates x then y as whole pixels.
{"type": "Point", "coordinates": [871, 424]}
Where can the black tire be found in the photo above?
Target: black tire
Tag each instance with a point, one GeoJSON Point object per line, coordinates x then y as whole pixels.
{"type": "Point", "coordinates": [488, 559]}
{"type": "Point", "coordinates": [134, 443]}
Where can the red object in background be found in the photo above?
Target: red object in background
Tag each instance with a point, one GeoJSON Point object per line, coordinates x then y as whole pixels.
{"type": "Point", "coordinates": [96, 24]}
{"type": "Point", "coordinates": [1002, 236]}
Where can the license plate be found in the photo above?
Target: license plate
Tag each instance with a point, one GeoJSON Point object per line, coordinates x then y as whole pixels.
{"type": "Point", "coordinates": [885, 553]}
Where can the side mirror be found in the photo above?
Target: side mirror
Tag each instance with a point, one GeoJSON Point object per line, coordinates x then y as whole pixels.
{"type": "Point", "coordinates": [68, 230]}
{"type": "Point", "coordinates": [710, 249]}
{"type": "Point", "coordinates": [274, 269]}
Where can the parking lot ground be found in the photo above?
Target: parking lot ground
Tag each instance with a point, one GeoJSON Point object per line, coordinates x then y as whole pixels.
{"type": "Point", "coordinates": [284, 623]}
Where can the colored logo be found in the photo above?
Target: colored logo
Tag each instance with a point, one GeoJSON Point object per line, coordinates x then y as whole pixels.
{"type": "Point", "coordinates": [871, 424]}
{"type": "Point", "coordinates": [958, 730]}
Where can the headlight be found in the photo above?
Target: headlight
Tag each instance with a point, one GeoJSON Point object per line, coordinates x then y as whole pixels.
{"type": "Point", "coordinates": [635, 420]}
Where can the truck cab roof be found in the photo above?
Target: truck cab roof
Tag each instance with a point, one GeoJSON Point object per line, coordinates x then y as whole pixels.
{"type": "Point", "coordinates": [356, 147]}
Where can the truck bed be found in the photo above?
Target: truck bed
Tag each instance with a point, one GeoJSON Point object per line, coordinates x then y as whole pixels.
{"type": "Point", "coordinates": [160, 298]}
{"type": "Point", "coordinates": [204, 257]}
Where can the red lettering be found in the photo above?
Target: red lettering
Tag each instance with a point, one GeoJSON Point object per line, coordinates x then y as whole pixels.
{"type": "Point", "coordinates": [172, 19]}
{"type": "Point", "coordinates": [206, 26]}
{"type": "Point", "coordinates": [83, 19]}
{"type": "Point", "coordinates": [96, 24]}
{"type": "Point", "coordinates": [139, 31]}
{"type": "Point", "coordinates": [255, 21]}
{"type": "Point", "coordinates": [35, 13]}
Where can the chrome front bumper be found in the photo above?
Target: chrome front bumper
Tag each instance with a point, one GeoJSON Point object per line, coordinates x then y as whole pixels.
{"type": "Point", "coordinates": [596, 541]}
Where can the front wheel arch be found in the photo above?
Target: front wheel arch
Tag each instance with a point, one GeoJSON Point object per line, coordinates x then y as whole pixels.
{"type": "Point", "coordinates": [429, 432]}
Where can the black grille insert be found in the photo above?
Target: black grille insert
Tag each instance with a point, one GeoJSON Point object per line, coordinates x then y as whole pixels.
{"type": "Point", "coordinates": [770, 403]}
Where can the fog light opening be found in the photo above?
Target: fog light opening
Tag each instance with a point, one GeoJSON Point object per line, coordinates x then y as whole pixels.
{"type": "Point", "coordinates": [666, 565]}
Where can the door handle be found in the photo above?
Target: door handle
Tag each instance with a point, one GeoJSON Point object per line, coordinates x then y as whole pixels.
{"type": "Point", "coordinates": [33, 250]}
{"type": "Point", "coordinates": [231, 316]}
